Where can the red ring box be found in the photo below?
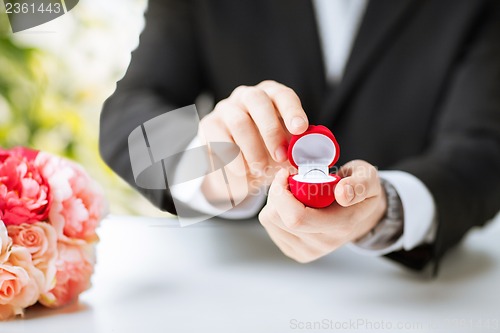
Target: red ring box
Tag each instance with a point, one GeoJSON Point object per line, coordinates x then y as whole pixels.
{"type": "Point", "coordinates": [313, 153]}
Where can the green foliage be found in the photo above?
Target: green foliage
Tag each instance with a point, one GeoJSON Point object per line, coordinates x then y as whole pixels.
{"type": "Point", "coordinates": [44, 106]}
{"type": "Point", "coordinates": [19, 92]}
{"type": "Point", "coordinates": [30, 112]}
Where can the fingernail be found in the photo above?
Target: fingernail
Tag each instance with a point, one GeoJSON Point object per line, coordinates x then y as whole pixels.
{"type": "Point", "coordinates": [349, 192]}
{"type": "Point", "coordinates": [298, 122]}
{"type": "Point", "coordinates": [280, 155]}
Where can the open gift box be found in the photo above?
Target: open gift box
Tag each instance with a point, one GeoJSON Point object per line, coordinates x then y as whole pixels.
{"type": "Point", "coordinates": [313, 153]}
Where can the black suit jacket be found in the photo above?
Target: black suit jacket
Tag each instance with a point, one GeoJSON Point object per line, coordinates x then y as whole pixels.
{"type": "Point", "coordinates": [420, 93]}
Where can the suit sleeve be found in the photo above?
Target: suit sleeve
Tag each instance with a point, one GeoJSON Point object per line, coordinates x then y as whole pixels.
{"type": "Point", "coordinates": [461, 168]}
{"type": "Point", "coordinates": [164, 74]}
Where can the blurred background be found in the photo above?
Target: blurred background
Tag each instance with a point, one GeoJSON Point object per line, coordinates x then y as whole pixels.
{"type": "Point", "coordinates": [54, 79]}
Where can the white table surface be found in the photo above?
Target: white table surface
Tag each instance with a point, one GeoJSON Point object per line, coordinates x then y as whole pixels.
{"type": "Point", "coordinates": [221, 276]}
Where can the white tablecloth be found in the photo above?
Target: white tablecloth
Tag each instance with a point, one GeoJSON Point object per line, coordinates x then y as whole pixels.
{"type": "Point", "coordinates": [221, 276]}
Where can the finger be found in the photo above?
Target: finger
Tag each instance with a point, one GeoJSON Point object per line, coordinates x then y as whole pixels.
{"type": "Point", "coordinates": [360, 182]}
{"type": "Point", "coordinates": [298, 248]}
{"type": "Point", "coordinates": [291, 211]}
{"type": "Point", "coordinates": [295, 217]}
{"type": "Point", "coordinates": [288, 105]}
{"type": "Point", "coordinates": [273, 217]}
{"type": "Point", "coordinates": [261, 109]}
{"type": "Point", "coordinates": [212, 129]}
{"type": "Point", "coordinates": [268, 217]}
{"type": "Point", "coordinates": [246, 136]}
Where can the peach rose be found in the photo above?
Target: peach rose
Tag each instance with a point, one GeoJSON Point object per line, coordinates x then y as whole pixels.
{"type": "Point", "coordinates": [75, 265]}
{"type": "Point", "coordinates": [78, 202]}
{"type": "Point", "coordinates": [5, 243]}
{"type": "Point", "coordinates": [20, 283]}
{"type": "Point", "coordinates": [40, 239]}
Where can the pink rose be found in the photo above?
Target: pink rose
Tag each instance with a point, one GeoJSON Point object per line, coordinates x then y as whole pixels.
{"type": "Point", "coordinates": [40, 239]}
{"type": "Point", "coordinates": [75, 265]}
{"type": "Point", "coordinates": [5, 243]}
{"type": "Point", "coordinates": [24, 192]}
{"type": "Point", "coordinates": [79, 203]}
{"type": "Point", "coordinates": [20, 283]}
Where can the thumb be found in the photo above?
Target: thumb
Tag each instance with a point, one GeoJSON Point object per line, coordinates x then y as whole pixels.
{"type": "Point", "coordinates": [360, 182]}
{"type": "Point", "coordinates": [280, 183]}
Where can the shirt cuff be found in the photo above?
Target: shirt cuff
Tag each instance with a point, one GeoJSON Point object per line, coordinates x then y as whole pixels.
{"type": "Point", "coordinates": [191, 194]}
{"type": "Point", "coordinates": [419, 214]}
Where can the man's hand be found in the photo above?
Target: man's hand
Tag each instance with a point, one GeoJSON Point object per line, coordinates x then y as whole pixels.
{"type": "Point", "coordinates": [306, 234]}
{"type": "Point", "coordinates": [260, 120]}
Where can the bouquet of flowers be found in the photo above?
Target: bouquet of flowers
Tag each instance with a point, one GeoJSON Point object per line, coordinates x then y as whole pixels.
{"type": "Point", "coordinates": [49, 211]}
